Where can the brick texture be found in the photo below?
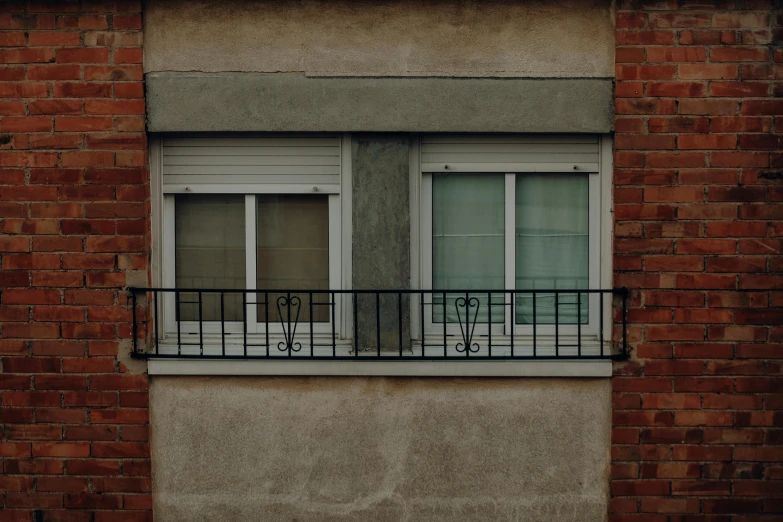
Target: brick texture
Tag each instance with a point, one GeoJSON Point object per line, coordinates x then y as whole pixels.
{"type": "Point", "coordinates": [74, 211]}
{"type": "Point", "coordinates": [698, 409]}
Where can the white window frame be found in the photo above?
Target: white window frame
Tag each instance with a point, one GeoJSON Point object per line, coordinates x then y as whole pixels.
{"type": "Point", "coordinates": [164, 266]}
{"type": "Point", "coordinates": [600, 258]}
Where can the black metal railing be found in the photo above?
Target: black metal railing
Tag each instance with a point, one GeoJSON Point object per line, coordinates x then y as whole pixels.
{"type": "Point", "coordinates": [379, 324]}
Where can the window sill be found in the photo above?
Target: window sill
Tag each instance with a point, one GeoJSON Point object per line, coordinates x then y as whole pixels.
{"type": "Point", "coordinates": [396, 368]}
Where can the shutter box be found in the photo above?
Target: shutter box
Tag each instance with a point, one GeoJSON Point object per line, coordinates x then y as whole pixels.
{"type": "Point", "coordinates": [270, 163]}
{"type": "Point", "coordinates": [509, 153]}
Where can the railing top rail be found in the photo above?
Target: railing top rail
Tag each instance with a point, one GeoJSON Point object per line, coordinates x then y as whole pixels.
{"type": "Point", "coordinates": [616, 291]}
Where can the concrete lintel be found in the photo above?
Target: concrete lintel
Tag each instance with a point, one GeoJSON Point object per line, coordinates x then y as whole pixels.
{"type": "Point", "coordinates": [383, 368]}
{"type": "Point", "coordinates": [243, 102]}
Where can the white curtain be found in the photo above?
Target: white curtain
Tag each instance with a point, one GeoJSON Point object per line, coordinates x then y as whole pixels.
{"type": "Point", "coordinates": [551, 246]}
{"type": "Point", "coordinates": [293, 254]}
{"type": "Point", "coordinates": [468, 244]}
{"type": "Point", "coordinates": [209, 253]}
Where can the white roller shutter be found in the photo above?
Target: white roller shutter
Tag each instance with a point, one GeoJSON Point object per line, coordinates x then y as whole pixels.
{"type": "Point", "coordinates": [509, 153]}
{"type": "Point", "coordinates": [225, 163]}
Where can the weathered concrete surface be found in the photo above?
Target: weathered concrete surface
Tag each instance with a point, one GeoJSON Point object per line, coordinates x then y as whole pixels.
{"type": "Point", "coordinates": [380, 449]}
{"type": "Point", "coordinates": [501, 38]}
{"type": "Point", "coordinates": [195, 102]}
{"type": "Point", "coordinates": [381, 234]}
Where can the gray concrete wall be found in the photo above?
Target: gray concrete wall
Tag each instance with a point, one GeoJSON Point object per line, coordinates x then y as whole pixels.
{"type": "Point", "coordinates": [381, 235]}
{"type": "Point", "coordinates": [198, 102]}
{"type": "Point", "coordinates": [460, 38]}
{"type": "Point", "coordinates": [380, 449]}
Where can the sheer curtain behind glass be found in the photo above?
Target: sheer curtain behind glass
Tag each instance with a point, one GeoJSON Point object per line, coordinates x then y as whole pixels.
{"type": "Point", "coordinates": [551, 245]}
{"type": "Point", "coordinates": [467, 242]}
{"type": "Point", "coordinates": [293, 254]}
{"type": "Point", "coordinates": [210, 253]}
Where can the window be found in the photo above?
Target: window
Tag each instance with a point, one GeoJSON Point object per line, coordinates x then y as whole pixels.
{"type": "Point", "coordinates": [261, 213]}
{"type": "Point", "coordinates": [521, 216]}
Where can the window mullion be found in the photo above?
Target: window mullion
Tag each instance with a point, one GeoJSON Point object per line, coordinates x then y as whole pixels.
{"type": "Point", "coordinates": [510, 246]}
{"type": "Point", "coordinates": [251, 280]}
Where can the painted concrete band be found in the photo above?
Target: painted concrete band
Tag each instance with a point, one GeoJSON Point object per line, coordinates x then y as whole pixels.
{"type": "Point", "coordinates": [384, 368]}
{"type": "Point", "coordinates": [236, 102]}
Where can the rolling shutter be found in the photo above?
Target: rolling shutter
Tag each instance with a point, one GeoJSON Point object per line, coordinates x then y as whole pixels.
{"type": "Point", "coordinates": [509, 153]}
{"type": "Point", "coordinates": [226, 162]}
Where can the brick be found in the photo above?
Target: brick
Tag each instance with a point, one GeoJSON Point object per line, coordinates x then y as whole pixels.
{"type": "Point", "coordinates": [676, 160]}
{"type": "Point", "coordinates": [739, 54]}
{"type": "Point", "coordinates": [676, 54]}
{"type": "Point", "coordinates": [739, 89]}
{"type": "Point", "coordinates": [679, 124]}
{"type": "Point", "coordinates": [707, 71]}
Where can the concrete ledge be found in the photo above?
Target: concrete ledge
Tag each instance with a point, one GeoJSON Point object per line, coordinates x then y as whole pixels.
{"type": "Point", "coordinates": [383, 368]}
{"type": "Point", "coordinates": [241, 102]}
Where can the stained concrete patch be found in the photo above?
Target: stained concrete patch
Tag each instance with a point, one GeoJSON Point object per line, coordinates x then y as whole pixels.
{"type": "Point", "coordinates": [460, 38]}
{"type": "Point", "coordinates": [385, 449]}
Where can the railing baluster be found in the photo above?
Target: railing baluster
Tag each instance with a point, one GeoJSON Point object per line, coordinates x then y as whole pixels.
{"type": "Point", "coordinates": [290, 340]}
{"type": "Point", "coordinates": [399, 317]}
{"type": "Point", "coordinates": [156, 325]}
{"type": "Point", "coordinates": [200, 326]}
{"type": "Point", "coordinates": [178, 316]}
{"type": "Point", "coordinates": [535, 326]}
{"type": "Point", "coordinates": [222, 323]}
{"type": "Point", "coordinates": [579, 323]}
{"type": "Point", "coordinates": [378, 322]}
{"type": "Point", "coordinates": [512, 296]}
{"type": "Point", "coordinates": [489, 321]}
{"type": "Point", "coordinates": [601, 321]}
{"type": "Point", "coordinates": [334, 332]}
{"type": "Point", "coordinates": [244, 323]}
{"type": "Point", "coordinates": [310, 296]}
{"type": "Point", "coordinates": [421, 303]}
{"type": "Point", "coordinates": [266, 319]}
{"type": "Point", "coordinates": [355, 325]}
{"type": "Point", "coordinates": [557, 324]}
{"type": "Point", "coordinates": [445, 353]}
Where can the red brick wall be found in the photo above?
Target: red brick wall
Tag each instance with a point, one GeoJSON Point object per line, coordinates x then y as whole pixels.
{"type": "Point", "coordinates": [698, 188]}
{"type": "Point", "coordinates": [73, 231]}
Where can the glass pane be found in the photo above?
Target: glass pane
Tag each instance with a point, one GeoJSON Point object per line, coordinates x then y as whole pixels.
{"type": "Point", "coordinates": [468, 228]}
{"type": "Point", "coordinates": [293, 254]}
{"type": "Point", "coordinates": [552, 232]}
{"type": "Point", "coordinates": [210, 253]}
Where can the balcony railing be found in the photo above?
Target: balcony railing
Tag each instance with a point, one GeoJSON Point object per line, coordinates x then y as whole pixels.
{"type": "Point", "coordinates": [379, 324]}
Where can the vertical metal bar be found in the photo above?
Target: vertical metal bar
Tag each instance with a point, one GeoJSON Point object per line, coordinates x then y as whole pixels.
{"type": "Point", "coordinates": [310, 296]}
{"type": "Point", "coordinates": [378, 322]}
{"type": "Point", "coordinates": [266, 319]}
{"type": "Point", "coordinates": [244, 323]}
{"type": "Point", "coordinates": [535, 326]}
{"type": "Point", "coordinates": [155, 326]}
{"type": "Point", "coordinates": [489, 320]}
{"type": "Point", "coordinates": [601, 321]}
{"type": "Point", "coordinates": [467, 324]}
{"type": "Point", "coordinates": [222, 323]}
{"type": "Point", "coordinates": [445, 353]}
{"type": "Point", "coordinates": [333, 302]}
{"type": "Point", "coordinates": [399, 319]}
{"type": "Point", "coordinates": [625, 321]}
{"type": "Point", "coordinates": [178, 316]}
{"type": "Point", "coordinates": [200, 326]}
{"type": "Point", "coordinates": [557, 324]}
{"type": "Point", "coordinates": [355, 324]}
{"type": "Point", "coordinates": [579, 324]}
{"type": "Point", "coordinates": [290, 340]}
{"type": "Point", "coordinates": [513, 315]}
{"type": "Point", "coordinates": [135, 328]}
{"type": "Point", "coordinates": [421, 306]}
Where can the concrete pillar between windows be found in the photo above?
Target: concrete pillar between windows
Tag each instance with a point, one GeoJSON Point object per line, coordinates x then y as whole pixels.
{"type": "Point", "coordinates": [381, 237]}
